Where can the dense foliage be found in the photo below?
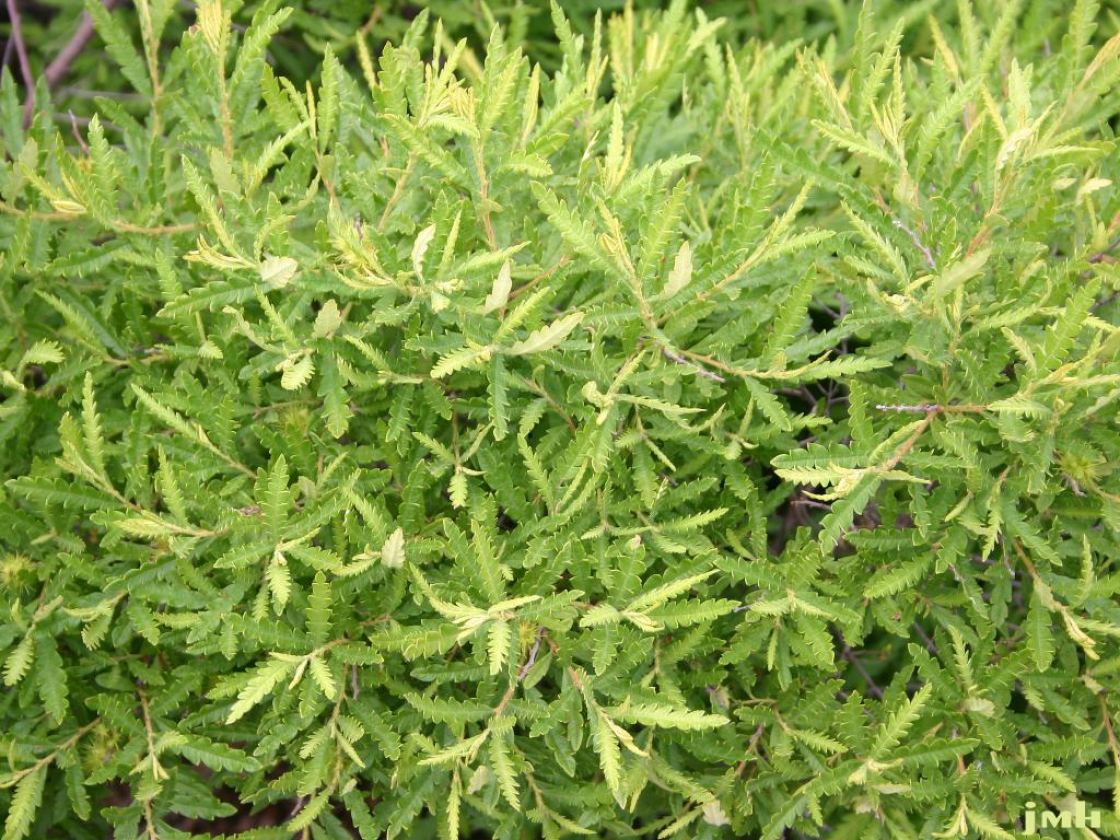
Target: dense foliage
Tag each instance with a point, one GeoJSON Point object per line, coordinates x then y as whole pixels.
{"type": "Point", "coordinates": [626, 427]}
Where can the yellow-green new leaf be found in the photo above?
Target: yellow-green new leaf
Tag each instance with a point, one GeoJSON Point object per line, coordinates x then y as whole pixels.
{"type": "Point", "coordinates": [268, 674]}
{"type": "Point", "coordinates": [667, 717]}
{"type": "Point", "coordinates": [25, 802]}
{"type": "Point", "coordinates": [548, 336]}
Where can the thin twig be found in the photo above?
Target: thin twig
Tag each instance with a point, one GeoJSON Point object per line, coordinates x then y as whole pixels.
{"type": "Point", "coordinates": [24, 64]}
{"type": "Point", "coordinates": [1113, 744]}
{"type": "Point", "coordinates": [931, 645]}
{"type": "Point", "coordinates": [924, 408]}
{"type": "Point", "coordinates": [751, 748]}
{"type": "Point", "coordinates": [1102, 255]}
{"type": "Point", "coordinates": [66, 56]}
{"type": "Point", "coordinates": [1100, 304]}
{"type": "Point", "coordinates": [61, 748]}
{"type": "Point", "coordinates": [531, 661]}
{"type": "Point", "coordinates": [521, 673]}
{"type": "Point", "coordinates": [544, 275]}
{"type": "Point", "coordinates": [813, 503]}
{"type": "Point", "coordinates": [90, 93]}
{"type": "Point", "coordinates": [933, 408]}
{"type": "Point", "coordinates": [917, 243]}
{"type": "Point", "coordinates": [700, 371]}
{"type": "Point", "coordinates": [849, 655]}
{"type": "Point", "coordinates": [78, 134]}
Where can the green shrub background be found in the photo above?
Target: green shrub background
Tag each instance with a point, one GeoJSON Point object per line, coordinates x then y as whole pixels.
{"type": "Point", "coordinates": [667, 422]}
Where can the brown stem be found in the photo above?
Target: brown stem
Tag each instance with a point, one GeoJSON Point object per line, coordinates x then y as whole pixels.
{"type": "Point", "coordinates": [751, 747]}
{"type": "Point", "coordinates": [572, 673]}
{"type": "Point", "coordinates": [716, 363]}
{"type": "Point", "coordinates": [1113, 744]}
{"type": "Point", "coordinates": [1102, 255]}
{"type": "Point", "coordinates": [700, 371]}
{"type": "Point", "coordinates": [24, 64]}
{"type": "Point", "coordinates": [532, 660]}
{"type": "Point", "coordinates": [931, 646]}
{"type": "Point", "coordinates": [67, 744]}
{"type": "Point", "coordinates": [521, 674]}
{"type": "Point", "coordinates": [933, 408]}
{"type": "Point", "coordinates": [850, 655]}
{"type": "Point", "coordinates": [892, 462]}
{"type": "Point", "coordinates": [78, 134]}
{"type": "Point", "coordinates": [398, 191]}
{"type": "Point", "coordinates": [548, 398]}
{"type": "Point", "coordinates": [917, 243]}
{"type": "Point", "coordinates": [544, 275]}
{"type": "Point", "coordinates": [57, 69]}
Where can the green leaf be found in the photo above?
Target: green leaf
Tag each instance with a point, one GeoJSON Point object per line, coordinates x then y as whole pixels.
{"type": "Point", "coordinates": [18, 662]}
{"type": "Point", "coordinates": [279, 578]}
{"type": "Point", "coordinates": [448, 710]}
{"type": "Point", "coordinates": [667, 591]}
{"type": "Point", "coordinates": [120, 47]}
{"type": "Point", "coordinates": [392, 552]}
{"type": "Point", "coordinates": [50, 675]}
{"type": "Point", "coordinates": [902, 718]}
{"type": "Point", "coordinates": [547, 337]}
{"type": "Point", "coordinates": [319, 610]}
{"type": "Point", "coordinates": [262, 683]}
{"type": "Point", "coordinates": [667, 717]}
{"type": "Point", "coordinates": [1040, 635]}
{"type": "Point", "coordinates": [460, 359]}
{"type": "Point", "coordinates": [459, 750]}
{"type": "Point", "coordinates": [898, 578]}
{"type": "Point", "coordinates": [498, 645]}
{"type": "Point", "coordinates": [502, 764]}
{"type": "Point", "coordinates": [321, 674]}
{"type": "Point", "coordinates": [610, 755]}
{"type": "Point", "coordinates": [336, 402]}
{"type": "Point", "coordinates": [216, 755]}
{"type": "Point", "coordinates": [25, 803]}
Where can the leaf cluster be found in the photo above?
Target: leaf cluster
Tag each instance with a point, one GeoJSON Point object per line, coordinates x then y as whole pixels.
{"type": "Point", "coordinates": [643, 429]}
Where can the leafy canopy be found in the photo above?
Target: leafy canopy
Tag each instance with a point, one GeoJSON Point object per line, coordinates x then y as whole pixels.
{"type": "Point", "coordinates": [694, 436]}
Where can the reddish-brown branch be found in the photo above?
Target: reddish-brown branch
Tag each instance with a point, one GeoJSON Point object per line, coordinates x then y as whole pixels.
{"type": "Point", "coordinates": [24, 64]}
{"type": "Point", "coordinates": [57, 69]}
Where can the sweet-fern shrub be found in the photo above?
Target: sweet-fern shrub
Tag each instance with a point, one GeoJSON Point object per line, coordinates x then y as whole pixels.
{"type": "Point", "coordinates": [710, 438]}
